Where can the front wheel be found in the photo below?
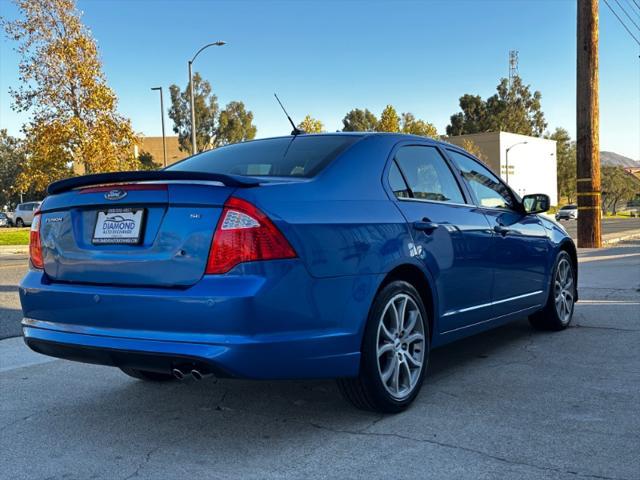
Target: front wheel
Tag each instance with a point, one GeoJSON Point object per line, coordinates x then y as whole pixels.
{"type": "Point", "coordinates": [558, 311]}
{"type": "Point", "coordinates": [19, 223]}
{"type": "Point", "coordinates": [395, 352]}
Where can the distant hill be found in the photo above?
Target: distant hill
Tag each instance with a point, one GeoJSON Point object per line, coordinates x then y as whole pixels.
{"type": "Point", "coordinates": [617, 160]}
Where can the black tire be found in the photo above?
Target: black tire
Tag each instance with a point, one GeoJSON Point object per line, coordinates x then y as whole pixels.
{"type": "Point", "coordinates": [147, 375]}
{"type": "Point", "coordinates": [19, 223]}
{"type": "Point", "coordinates": [367, 391]}
{"type": "Point", "coordinates": [549, 318]}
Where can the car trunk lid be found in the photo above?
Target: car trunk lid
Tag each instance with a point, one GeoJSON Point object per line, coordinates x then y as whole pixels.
{"type": "Point", "coordinates": [155, 233]}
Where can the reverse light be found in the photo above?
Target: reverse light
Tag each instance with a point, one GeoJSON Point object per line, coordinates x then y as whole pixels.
{"type": "Point", "coordinates": [245, 234]}
{"type": "Point", "coordinates": [35, 247]}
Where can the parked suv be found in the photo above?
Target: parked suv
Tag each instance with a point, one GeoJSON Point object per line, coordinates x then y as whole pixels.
{"type": "Point", "coordinates": [568, 212]}
{"type": "Point", "coordinates": [23, 215]}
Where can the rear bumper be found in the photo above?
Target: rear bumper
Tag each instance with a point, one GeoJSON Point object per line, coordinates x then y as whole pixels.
{"type": "Point", "coordinates": [252, 358]}
{"type": "Point", "coordinates": [275, 322]}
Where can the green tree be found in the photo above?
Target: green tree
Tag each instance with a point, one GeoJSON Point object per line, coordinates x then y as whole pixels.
{"type": "Point", "coordinates": [74, 120]}
{"type": "Point", "coordinates": [311, 125]}
{"type": "Point", "coordinates": [235, 125]}
{"type": "Point", "coordinates": [413, 126]}
{"type": "Point", "coordinates": [566, 168]}
{"type": "Point", "coordinates": [359, 121]}
{"type": "Point", "coordinates": [206, 106]}
{"type": "Point", "coordinates": [617, 187]}
{"type": "Point", "coordinates": [514, 108]}
{"type": "Point", "coordinates": [389, 120]}
{"type": "Point", "coordinates": [11, 162]}
{"type": "Point", "coordinates": [147, 161]}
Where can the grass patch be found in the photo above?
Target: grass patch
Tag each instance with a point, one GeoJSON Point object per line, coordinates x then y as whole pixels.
{"type": "Point", "coordinates": [14, 236]}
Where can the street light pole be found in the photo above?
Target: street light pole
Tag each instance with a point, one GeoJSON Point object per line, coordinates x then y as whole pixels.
{"type": "Point", "coordinates": [194, 147]}
{"type": "Point", "coordinates": [506, 159]}
{"type": "Point", "coordinates": [164, 139]}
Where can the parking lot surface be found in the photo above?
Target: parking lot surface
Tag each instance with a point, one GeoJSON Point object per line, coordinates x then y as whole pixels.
{"type": "Point", "coordinates": [510, 403]}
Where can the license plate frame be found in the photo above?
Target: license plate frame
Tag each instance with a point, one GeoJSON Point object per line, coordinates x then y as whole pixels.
{"type": "Point", "coordinates": [120, 226]}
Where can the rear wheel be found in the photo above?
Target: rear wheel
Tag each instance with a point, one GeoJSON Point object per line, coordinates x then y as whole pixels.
{"type": "Point", "coordinates": [395, 352]}
{"type": "Point", "coordinates": [19, 223]}
{"type": "Point", "coordinates": [148, 375]}
{"type": "Point", "coordinates": [558, 312]}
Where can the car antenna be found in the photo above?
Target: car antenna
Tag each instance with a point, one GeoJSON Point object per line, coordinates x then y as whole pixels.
{"type": "Point", "coordinates": [296, 130]}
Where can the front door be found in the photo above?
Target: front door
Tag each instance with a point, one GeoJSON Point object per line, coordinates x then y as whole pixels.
{"type": "Point", "coordinates": [520, 246]}
{"type": "Point", "coordinates": [451, 236]}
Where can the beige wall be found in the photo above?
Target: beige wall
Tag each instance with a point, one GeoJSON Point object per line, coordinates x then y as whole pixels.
{"type": "Point", "coordinates": [153, 145]}
{"type": "Point", "coordinates": [488, 143]}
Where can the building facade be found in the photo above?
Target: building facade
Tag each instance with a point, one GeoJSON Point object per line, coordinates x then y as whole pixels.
{"type": "Point", "coordinates": [527, 164]}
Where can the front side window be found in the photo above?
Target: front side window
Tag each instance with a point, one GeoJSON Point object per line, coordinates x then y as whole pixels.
{"type": "Point", "coordinates": [300, 156]}
{"type": "Point", "coordinates": [488, 190]}
{"type": "Point", "coordinates": [427, 174]}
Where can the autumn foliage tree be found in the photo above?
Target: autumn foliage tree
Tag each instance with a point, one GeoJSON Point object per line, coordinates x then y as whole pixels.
{"type": "Point", "coordinates": [389, 120]}
{"type": "Point", "coordinates": [74, 123]}
{"type": "Point", "coordinates": [311, 125]}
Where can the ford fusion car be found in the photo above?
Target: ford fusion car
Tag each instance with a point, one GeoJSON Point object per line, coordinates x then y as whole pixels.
{"type": "Point", "coordinates": [347, 256]}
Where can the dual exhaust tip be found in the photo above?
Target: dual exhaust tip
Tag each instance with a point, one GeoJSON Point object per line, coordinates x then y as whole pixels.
{"type": "Point", "coordinates": [195, 373]}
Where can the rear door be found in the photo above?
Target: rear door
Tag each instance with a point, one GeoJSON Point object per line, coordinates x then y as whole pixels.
{"type": "Point", "coordinates": [520, 246]}
{"type": "Point", "coordinates": [451, 236]}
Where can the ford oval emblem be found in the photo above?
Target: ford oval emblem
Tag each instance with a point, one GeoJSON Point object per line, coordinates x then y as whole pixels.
{"type": "Point", "coordinates": [115, 194]}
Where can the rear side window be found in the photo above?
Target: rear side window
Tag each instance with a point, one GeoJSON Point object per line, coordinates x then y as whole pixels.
{"type": "Point", "coordinates": [428, 175]}
{"type": "Point", "coordinates": [397, 183]}
{"type": "Point", "coordinates": [488, 190]}
{"type": "Point", "coordinates": [300, 156]}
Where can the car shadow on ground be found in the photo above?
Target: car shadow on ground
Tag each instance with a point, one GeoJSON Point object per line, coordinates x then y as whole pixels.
{"type": "Point", "coordinates": [295, 401]}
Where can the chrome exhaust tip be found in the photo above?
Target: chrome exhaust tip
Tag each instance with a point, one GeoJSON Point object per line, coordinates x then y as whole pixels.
{"type": "Point", "coordinates": [198, 375]}
{"type": "Point", "coordinates": [178, 373]}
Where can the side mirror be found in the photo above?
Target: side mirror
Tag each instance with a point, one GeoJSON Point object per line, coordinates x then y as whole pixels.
{"type": "Point", "coordinates": [536, 203]}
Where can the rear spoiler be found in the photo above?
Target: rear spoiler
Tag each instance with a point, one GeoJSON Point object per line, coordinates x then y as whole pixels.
{"type": "Point", "coordinates": [148, 176]}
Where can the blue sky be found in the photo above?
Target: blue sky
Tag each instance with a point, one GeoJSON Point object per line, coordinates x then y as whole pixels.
{"type": "Point", "coordinates": [325, 58]}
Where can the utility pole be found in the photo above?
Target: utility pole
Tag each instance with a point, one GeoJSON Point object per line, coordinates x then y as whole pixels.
{"type": "Point", "coordinates": [164, 138]}
{"type": "Point", "coordinates": [588, 127]}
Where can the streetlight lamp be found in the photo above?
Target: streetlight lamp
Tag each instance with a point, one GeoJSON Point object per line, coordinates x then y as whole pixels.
{"type": "Point", "coordinates": [506, 159]}
{"type": "Point", "coordinates": [194, 148]}
{"type": "Point", "coordinates": [164, 140]}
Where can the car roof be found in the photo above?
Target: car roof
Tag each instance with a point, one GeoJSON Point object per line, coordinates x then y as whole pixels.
{"type": "Point", "coordinates": [399, 136]}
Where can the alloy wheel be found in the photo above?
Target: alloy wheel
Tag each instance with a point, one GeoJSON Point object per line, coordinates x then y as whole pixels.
{"type": "Point", "coordinates": [564, 291]}
{"type": "Point", "coordinates": [400, 346]}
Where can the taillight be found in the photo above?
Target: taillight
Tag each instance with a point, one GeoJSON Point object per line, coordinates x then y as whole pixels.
{"type": "Point", "coordinates": [35, 248]}
{"type": "Point", "coordinates": [245, 234]}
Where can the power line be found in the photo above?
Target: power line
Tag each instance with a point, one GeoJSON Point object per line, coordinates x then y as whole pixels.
{"type": "Point", "coordinates": [636, 2]}
{"type": "Point", "coordinates": [622, 23]}
{"type": "Point", "coordinates": [631, 7]}
{"type": "Point", "coordinates": [628, 16]}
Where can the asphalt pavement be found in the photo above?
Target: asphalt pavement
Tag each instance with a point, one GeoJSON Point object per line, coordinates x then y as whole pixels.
{"type": "Point", "coordinates": [512, 403]}
{"type": "Point", "coordinates": [611, 227]}
{"type": "Point", "coordinates": [12, 268]}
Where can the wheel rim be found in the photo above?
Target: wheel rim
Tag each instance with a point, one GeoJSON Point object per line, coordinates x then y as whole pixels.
{"type": "Point", "coordinates": [564, 291]}
{"type": "Point", "coordinates": [400, 346]}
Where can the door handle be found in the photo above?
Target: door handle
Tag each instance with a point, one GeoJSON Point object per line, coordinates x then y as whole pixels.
{"type": "Point", "coordinates": [425, 226]}
{"type": "Point", "coordinates": [501, 229]}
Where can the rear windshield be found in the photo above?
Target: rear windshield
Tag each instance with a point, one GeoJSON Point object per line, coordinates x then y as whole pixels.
{"type": "Point", "coordinates": [301, 156]}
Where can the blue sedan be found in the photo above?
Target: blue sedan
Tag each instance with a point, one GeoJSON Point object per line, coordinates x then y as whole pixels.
{"type": "Point", "coordinates": [346, 256]}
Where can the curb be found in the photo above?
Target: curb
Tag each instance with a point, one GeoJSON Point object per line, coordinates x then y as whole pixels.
{"type": "Point", "coordinates": [620, 237]}
{"type": "Point", "coordinates": [14, 249]}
